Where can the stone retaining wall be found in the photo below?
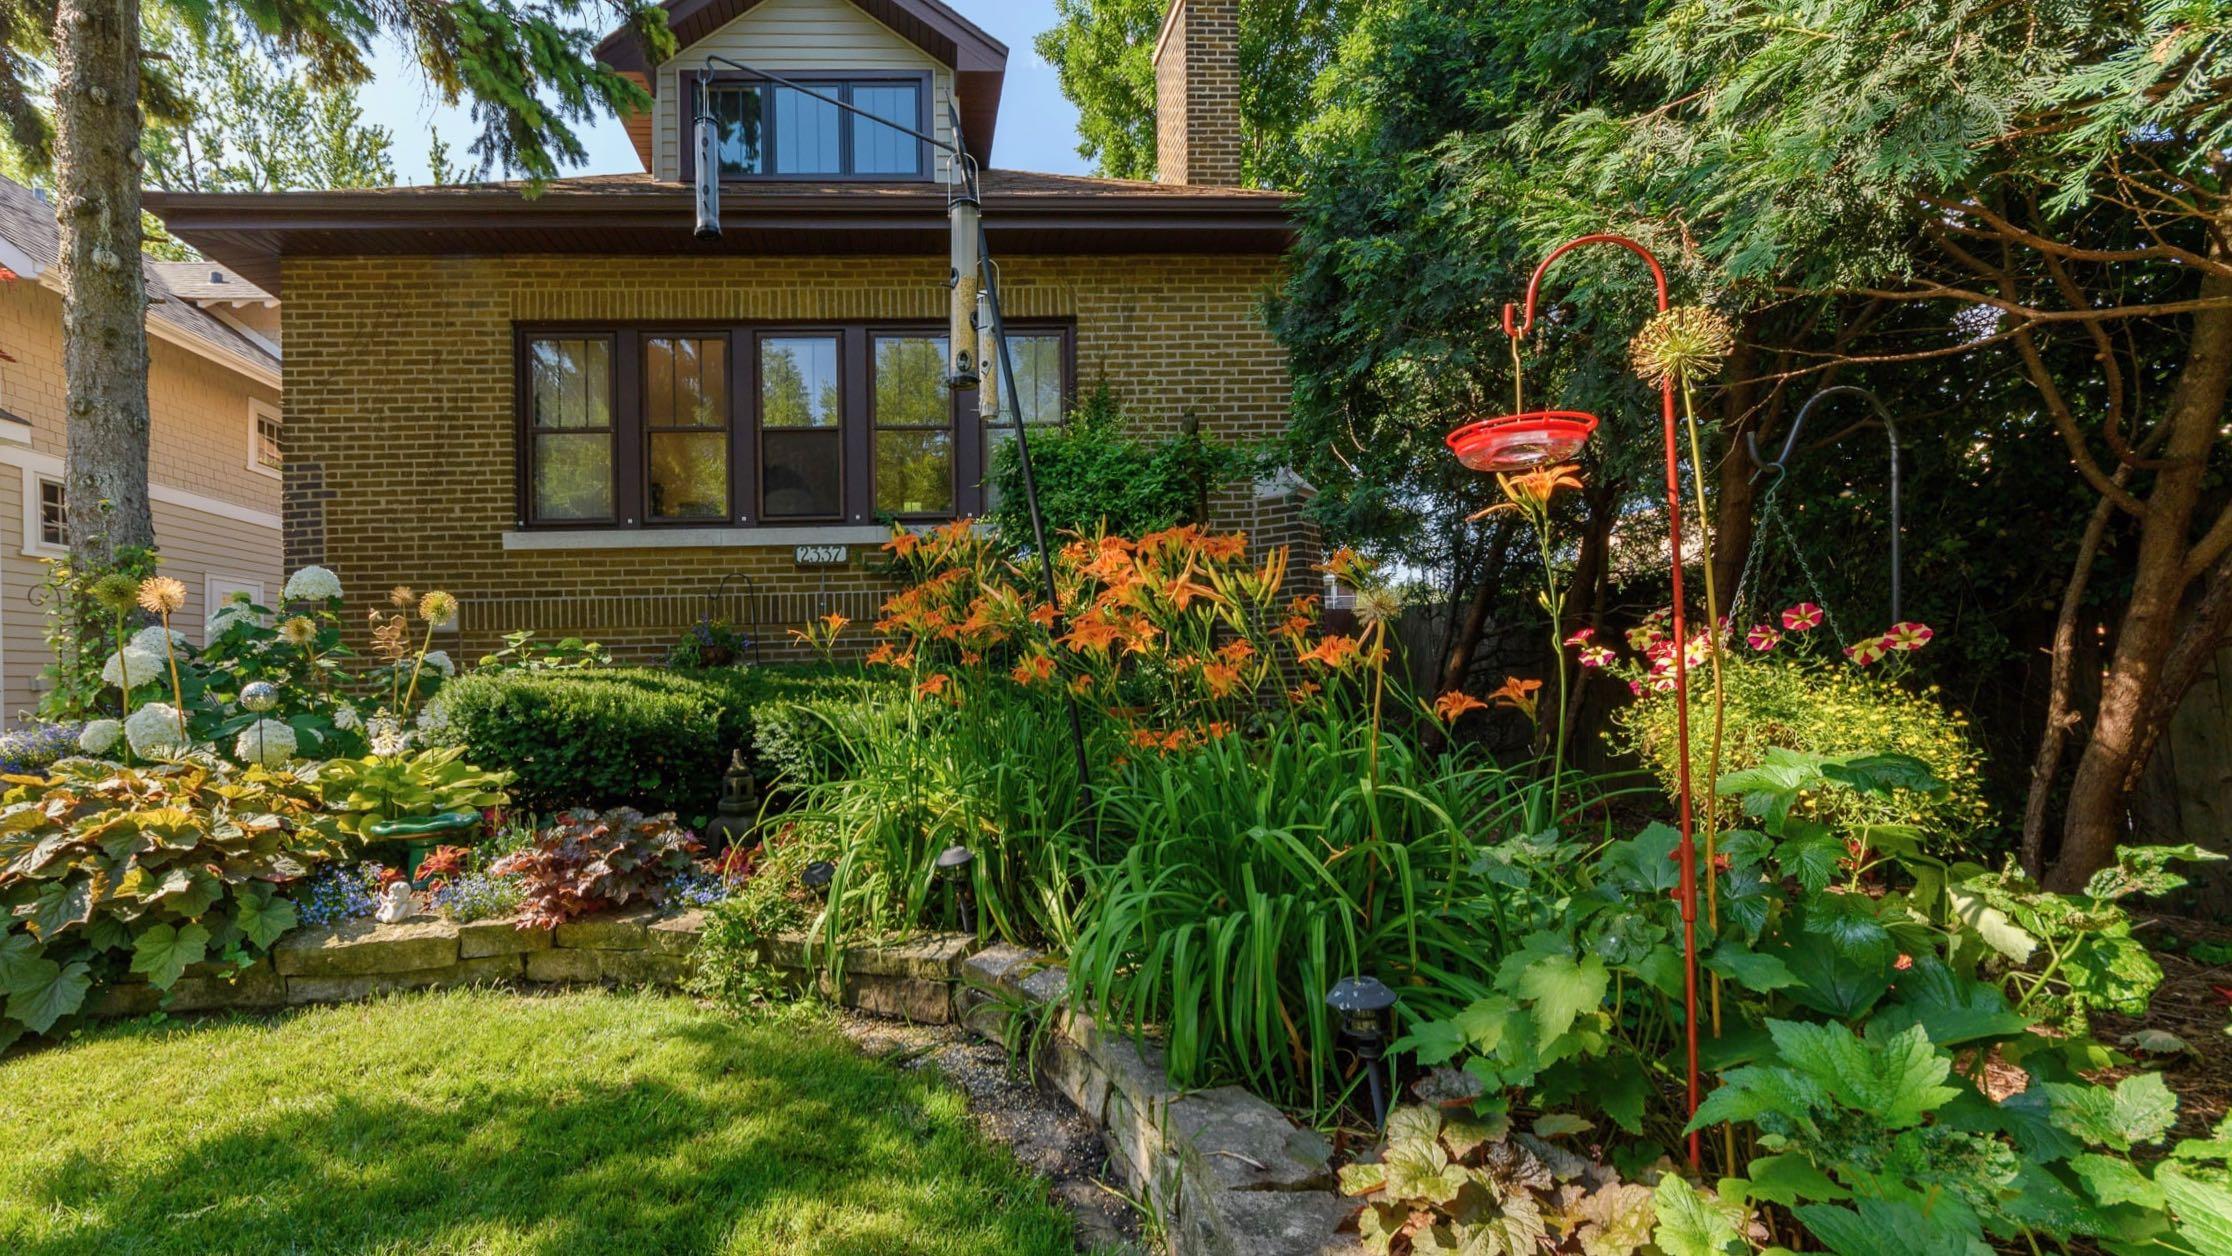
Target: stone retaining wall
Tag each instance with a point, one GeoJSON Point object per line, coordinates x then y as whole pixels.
{"type": "Point", "coordinates": [1228, 1174]}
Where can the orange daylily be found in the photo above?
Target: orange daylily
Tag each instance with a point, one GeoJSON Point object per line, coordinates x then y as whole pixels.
{"type": "Point", "coordinates": [1303, 692]}
{"type": "Point", "coordinates": [1519, 695]}
{"type": "Point", "coordinates": [1531, 491]}
{"type": "Point", "coordinates": [933, 684]}
{"type": "Point", "coordinates": [1095, 632]}
{"type": "Point", "coordinates": [1237, 650]}
{"type": "Point", "coordinates": [1221, 678]}
{"type": "Point", "coordinates": [1032, 670]}
{"type": "Point", "coordinates": [1453, 705]}
{"type": "Point", "coordinates": [1333, 650]}
{"type": "Point", "coordinates": [1223, 547]}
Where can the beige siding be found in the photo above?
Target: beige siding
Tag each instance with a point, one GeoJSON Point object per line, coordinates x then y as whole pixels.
{"type": "Point", "coordinates": [215, 517]}
{"type": "Point", "coordinates": [794, 35]}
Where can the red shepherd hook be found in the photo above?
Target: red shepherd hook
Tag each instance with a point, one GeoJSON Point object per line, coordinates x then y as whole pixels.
{"type": "Point", "coordinates": [1687, 851]}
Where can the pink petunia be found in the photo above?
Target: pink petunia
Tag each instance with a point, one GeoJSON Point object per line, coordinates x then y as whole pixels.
{"type": "Point", "coordinates": [1644, 635]}
{"type": "Point", "coordinates": [1804, 617]}
{"type": "Point", "coordinates": [1763, 637]}
{"type": "Point", "coordinates": [1636, 687]}
{"type": "Point", "coordinates": [1866, 652]}
{"type": "Point", "coordinates": [1581, 636]}
{"type": "Point", "coordinates": [1595, 656]}
{"type": "Point", "coordinates": [1908, 636]}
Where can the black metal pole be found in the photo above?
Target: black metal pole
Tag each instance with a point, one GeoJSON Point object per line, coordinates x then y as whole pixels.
{"type": "Point", "coordinates": [1011, 401]}
{"type": "Point", "coordinates": [1891, 428]}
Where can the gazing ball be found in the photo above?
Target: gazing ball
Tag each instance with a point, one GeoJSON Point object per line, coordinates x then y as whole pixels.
{"type": "Point", "coordinates": [259, 695]}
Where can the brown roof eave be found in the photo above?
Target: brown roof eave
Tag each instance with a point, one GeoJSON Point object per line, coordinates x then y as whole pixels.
{"type": "Point", "coordinates": [253, 232]}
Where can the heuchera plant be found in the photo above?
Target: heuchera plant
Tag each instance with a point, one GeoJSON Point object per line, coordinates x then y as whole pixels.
{"type": "Point", "coordinates": [586, 862]}
{"type": "Point", "coordinates": [106, 868]}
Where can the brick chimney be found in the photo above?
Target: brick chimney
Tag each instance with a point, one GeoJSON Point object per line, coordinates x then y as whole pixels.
{"type": "Point", "coordinates": [1197, 94]}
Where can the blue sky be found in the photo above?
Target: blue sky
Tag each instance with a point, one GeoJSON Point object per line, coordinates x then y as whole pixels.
{"type": "Point", "coordinates": [1038, 128]}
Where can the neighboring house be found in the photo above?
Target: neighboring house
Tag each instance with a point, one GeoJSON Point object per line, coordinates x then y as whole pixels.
{"type": "Point", "coordinates": [560, 406]}
{"type": "Point", "coordinates": [213, 441]}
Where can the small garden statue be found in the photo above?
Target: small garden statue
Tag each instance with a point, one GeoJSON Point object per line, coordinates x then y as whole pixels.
{"type": "Point", "coordinates": [396, 904]}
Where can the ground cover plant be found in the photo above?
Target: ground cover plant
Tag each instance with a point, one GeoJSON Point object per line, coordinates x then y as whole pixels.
{"type": "Point", "coordinates": [491, 1122]}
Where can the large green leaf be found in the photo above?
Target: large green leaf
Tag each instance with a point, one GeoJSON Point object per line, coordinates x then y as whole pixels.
{"type": "Point", "coordinates": [2140, 1109]}
{"type": "Point", "coordinates": [2202, 1208]}
{"type": "Point", "coordinates": [1750, 969]}
{"type": "Point", "coordinates": [1790, 1179]}
{"type": "Point", "coordinates": [17, 950]}
{"type": "Point", "coordinates": [1991, 924]}
{"type": "Point", "coordinates": [1882, 773]}
{"type": "Point", "coordinates": [1831, 983]}
{"type": "Point", "coordinates": [1954, 1010]}
{"type": "Point", "coordinates": [1882, 1227]}
{"type": "Point", "coordinates": [60, 906]}
{"type": "Point", "coordinates": [263, 917]}
{"type": "Point", "coordinates": [1692, 1223]}
{"type": "Point", "coordinates": [1646, 861]}
{"type": "Point", "coordinates": [1897, 1078]}
{"type": "Point", "coordinates": [162, 952]}
{"type": "Point", "coordinates": [1562, 988]}
{"type": "Point", "coordinates": [46, 992]}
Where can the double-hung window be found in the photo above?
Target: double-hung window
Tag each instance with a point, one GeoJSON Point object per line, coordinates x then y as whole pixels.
{"type": "Point", "coordinates": [820, 424]}
{"type": "Point", "coordinates": [763, 130]}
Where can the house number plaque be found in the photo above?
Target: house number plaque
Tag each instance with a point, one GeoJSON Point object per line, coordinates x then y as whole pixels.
{"type": "Point", "coordinates": [821, 555]}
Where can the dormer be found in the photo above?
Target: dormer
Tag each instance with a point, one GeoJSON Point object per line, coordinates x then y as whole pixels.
{"type": "Point", "coordinates": [915, 61]}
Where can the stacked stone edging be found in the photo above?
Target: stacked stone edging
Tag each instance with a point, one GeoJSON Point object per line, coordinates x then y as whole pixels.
{"type": "Point", "coordinates": [1228, 1174]}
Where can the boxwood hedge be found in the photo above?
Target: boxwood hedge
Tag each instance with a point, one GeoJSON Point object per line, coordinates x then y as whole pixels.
{"type": "Point", "coordinates": [607, 737]}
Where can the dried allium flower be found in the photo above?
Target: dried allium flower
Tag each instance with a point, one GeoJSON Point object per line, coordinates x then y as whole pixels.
{"type": "Point", "coordinates": [1683, 345]}
{"type": "Point", "coordinates": [1378, 605]}
{"type": "Point", "coordinates": [161, 595]}
{"type": "Point", "coordinates": [438, 608]}
{"type": "Point", "coordinates": [298, 630]}
{"type": "Point", "coordinates": [401, 597]}
{"type": "Point", "coordinates": [116, 592]}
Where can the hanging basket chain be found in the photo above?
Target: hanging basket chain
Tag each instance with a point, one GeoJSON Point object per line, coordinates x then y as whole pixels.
{"type": "Point", "coordinates": [1775, 518]}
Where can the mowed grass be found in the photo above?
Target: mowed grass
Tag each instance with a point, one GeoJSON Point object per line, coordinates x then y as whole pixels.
{"type": "Point", "coordinates": [487, 1122]}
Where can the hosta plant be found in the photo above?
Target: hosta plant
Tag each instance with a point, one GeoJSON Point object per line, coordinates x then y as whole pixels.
{"type": "Point", "coordinates": [586, 861]}
{"type": "Point", "coordinates": [106, 870]}
{"type": "Point", "coordinates": [377, 787]}
{"type": "Point", "coordinates": [1450, 1184]}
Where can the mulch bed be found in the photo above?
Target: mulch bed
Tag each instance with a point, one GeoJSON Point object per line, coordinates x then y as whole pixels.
{"type": "Point", "coordinates": [2194, 1003]}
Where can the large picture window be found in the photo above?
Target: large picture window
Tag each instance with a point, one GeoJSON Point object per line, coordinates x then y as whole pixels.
{"type": "Point", "coordinates": [765, 131]}
{"type": "Point", "coordinates": [648, 427]}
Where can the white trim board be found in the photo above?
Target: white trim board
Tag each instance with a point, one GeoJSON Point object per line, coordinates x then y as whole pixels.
{"type": "Point", "coordinates": [31, 460]}
{"type": "Point", "coordinates": [694, 538]}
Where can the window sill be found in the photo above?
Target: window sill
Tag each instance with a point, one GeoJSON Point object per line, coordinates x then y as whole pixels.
{"type": "Point", "coordinates": [696, 538]}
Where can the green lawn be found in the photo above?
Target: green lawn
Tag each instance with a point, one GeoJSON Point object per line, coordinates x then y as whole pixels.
{"type": "Point", "coordinates": [497, 1123]}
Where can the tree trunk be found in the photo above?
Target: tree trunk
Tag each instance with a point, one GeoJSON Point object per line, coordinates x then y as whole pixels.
{"type": "Point", "coordinates": [2134, 683]}
{"type": "Point", "coordinates": [104, 307]}
{"type": "Point", "coordinates": [1733, 522]}
{"type": "Point", "coordinates": [2061, 716]}
{"type": "Point", "coordinates": [1457, 664]}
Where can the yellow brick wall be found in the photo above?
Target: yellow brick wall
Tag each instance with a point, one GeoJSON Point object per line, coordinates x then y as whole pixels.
{"type": "Point", "coordinates": [400, 416]}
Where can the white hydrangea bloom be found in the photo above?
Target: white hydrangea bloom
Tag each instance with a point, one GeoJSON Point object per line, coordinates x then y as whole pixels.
{"type": "Point", "coordinates": [133, 666]}
{"type": "Point", "coordinates": [153, 731]}
{"type": "Point", "coordinates": [100, 736]}
{"type": "Point", "coordinates": [265, 742]}
{"type": "Point", "coordinates": [439, 660]}
{"type": "Point", "coordinates": [226, 614]}
{"type": "Point", "coordinates": [313, 584]}
{"type": "Point", "coordinates": [345, 718]}
{"type": "Point", "coordinates": [150, 639]}
{"type": "Point", "coordinates": [433, 717]}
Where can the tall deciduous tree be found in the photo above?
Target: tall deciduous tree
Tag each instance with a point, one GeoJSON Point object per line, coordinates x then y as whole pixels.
{"type": "Point", "coordinates": [525, 64]}
{"type": "Point", "coordinates": [1104, 52]}
{"type": "Point", "coordinates": [2052, 179]}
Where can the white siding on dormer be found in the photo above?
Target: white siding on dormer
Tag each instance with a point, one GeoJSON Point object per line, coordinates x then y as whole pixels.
{"type": "Point", "coordinates": [795, 35]}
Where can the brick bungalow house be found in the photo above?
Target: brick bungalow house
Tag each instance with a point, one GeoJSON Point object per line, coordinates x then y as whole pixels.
{"type": "Point", "coordinates": [565, 409]}
{"type": "Point", "coordinates": [213, 444]}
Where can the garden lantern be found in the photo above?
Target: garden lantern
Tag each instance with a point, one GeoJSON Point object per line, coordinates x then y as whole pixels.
{"type": "Point", "coordinates": [1519, 441]}
{"type": "Point", "coordinates": [818, 875]}
{"type": "Point", "coordinates": [1363, 1003]}
{"type": "Point", "coordinates": [952, 869]}
{"type": "Point", "coordinates": [737, 814]}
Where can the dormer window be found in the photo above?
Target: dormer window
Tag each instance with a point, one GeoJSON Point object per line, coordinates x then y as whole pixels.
{"type": "Point", "coordinates": [766, 131]}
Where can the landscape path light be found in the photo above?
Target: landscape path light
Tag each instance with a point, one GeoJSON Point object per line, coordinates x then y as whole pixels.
{"type": "Point", "coordinates": [1363, 1004]}
{"type": "Point", "coordinates": [1532, 438]}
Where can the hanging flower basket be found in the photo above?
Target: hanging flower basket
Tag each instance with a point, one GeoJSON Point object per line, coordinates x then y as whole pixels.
{"type": "Point", "coordinates": [1515, 442]}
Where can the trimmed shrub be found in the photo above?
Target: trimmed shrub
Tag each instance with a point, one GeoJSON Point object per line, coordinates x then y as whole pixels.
{"type": "Point", "coordinates": [624, 736]}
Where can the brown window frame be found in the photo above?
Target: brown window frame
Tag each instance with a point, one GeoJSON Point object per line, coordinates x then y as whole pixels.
{"type": "Point", "coordinates": [837, 83]}
{"type": "Point", "coordinates": [855, 432]}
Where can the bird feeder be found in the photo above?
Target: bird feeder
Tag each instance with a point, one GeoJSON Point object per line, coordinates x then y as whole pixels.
{"type": "Point", "coordinates": [1516, 442]}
